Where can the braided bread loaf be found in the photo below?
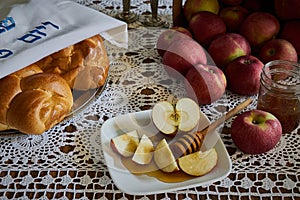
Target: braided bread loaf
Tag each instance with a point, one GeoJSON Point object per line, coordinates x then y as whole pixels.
{"type": "Point", "coordinates": [83, 65]}
{"type": "Point", "coordinates": [34, 99]}
{"type": "Point", "coordinates": [10, 87]}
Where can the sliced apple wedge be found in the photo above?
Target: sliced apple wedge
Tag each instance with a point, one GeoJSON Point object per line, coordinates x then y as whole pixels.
{"type": "Point", "coordinates": [169, 118]}
{"type": "Point", "coordinates": [144, 151]}
{"type": "Point", "coordinates": [126, 143]}
{"type": "Point", "coordinates": [198, 163]}
{"type": "Point", "coordinates": [164, 118]}
{"type": "Point", "coordinates": [189, 114]}
{"type": "Point", "coordinates": [164, 158]}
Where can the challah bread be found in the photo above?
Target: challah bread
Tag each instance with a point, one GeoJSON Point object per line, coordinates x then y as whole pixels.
{"type": "Point", "coordinates": [3, 127]}
{"type": "Point", "coordinates": [45, 100]}
{"type": "Point", "coordinates": [10, 87]}
{"type": "Point", "coordinates": [83, 65]}
{"type": "Point", "coordinates": [37, 97]}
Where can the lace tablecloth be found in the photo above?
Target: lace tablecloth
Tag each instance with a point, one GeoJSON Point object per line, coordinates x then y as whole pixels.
{"type": "Point", "coordinates": [67, 161]}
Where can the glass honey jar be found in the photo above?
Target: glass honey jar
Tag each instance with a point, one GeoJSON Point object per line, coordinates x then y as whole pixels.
{"type": "Point", "coordinates": [280, 92]}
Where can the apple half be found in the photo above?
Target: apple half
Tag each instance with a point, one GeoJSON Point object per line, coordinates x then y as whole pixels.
{"type": "Point", "coordinates": [164, 158]}
{"type": "Point", "coordinates": [168, 117]}
{"type": "Point", "coordinates": [198, 163]}
{"type": "Point", "coordinates": [126, 143]}
{"type": "Point", "coordinates": [144, 151]}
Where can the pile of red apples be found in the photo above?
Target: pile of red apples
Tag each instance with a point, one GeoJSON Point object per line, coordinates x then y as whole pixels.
{"type": "Point", "coordinates": [239, 35]}
{"type": "Point", "coordinates": [224, 44]}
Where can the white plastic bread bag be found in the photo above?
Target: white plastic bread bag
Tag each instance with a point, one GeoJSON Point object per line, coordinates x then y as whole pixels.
{"type": "Point", "coordinates": [33, 29]}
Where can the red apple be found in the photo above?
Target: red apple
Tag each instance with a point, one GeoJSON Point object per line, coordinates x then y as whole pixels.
{"type": "Point", "coordinates": [206, 82]}
{"type": "Point", "coordinates": [233, 17]}
{"type": "Point", "coordinates": [205, 26]}
{"type": "Point", "coordinates": [259, 27]}
{"type": "Point", "coordinates": [291, 31]}
{"type": "Point", "coordinates": [256, 131]}
{"type": "Point", "coordinates": [254, 5]}
{"type": "Point", "coordinates": [228, 47]}
{"type": "Point", "coordinates": [243, 75]}
{"type": "Point", "coordinates": [287, 10]}
{"type": "Point", "coordinates": [278, 49]}
{"type": "Point", "coordinates": [231, 2]}
{"type": "Point", "coordinates": [182, 55]}
{"type": "Point", "coordinates": [192, 7]}
{"type": "Point", "coordinates": [167, 37]}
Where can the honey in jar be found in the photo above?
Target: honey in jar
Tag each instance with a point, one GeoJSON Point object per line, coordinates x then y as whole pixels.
{"type": "Point", "coordinates": [280, 92]}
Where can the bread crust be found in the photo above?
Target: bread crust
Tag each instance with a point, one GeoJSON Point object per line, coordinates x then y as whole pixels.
{"type": "Point", "coordinates": [10, 87]}
{"type": "Point", "coordinates": [83, 65]}
{"type": "Point", "coordinates": [45, 100]}
{"type": "Point", "coordinates": [37, 97]}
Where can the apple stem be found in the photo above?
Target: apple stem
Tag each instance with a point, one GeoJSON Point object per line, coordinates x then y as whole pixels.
{"type": "Point", "coordinates": [173, 100]}
{"type": "Point", "coordinates": [248, 62]}
{"type": "Point", "coordinates": [191, 142]}
{"type": "Point", "coordinates": [258, 120]}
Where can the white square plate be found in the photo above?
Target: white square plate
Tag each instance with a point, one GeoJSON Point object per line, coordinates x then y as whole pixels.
{"type": "Point", "coordinates": [143, 184]}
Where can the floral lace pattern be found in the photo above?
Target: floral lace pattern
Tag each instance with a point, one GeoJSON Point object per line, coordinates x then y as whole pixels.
{"type": "Point", "coordinates": [67, 162]}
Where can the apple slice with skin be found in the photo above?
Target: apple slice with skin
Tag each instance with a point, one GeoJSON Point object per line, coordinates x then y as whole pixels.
{"type": "Point", "coordinates": [164, 158]}
{"type": "Point", "coordinates": [198, 163]}
{"type": "Point", "coordinates": [144, 151]}
{"type": "Point", "coordinates": [169, 118]}
{"type": "Point", "coordinates": [125, 144]}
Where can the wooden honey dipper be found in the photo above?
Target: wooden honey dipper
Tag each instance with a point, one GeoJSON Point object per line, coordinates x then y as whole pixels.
{"type": "Point", "coordinates": [192, 142]}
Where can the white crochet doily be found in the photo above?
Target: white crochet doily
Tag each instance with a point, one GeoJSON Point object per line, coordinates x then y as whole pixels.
{"type": "Point", "coordinates": [67, 162]}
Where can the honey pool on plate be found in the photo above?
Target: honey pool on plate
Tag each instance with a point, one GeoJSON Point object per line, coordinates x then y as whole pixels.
{"type": "Point", "coordinates": [152, 171]}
